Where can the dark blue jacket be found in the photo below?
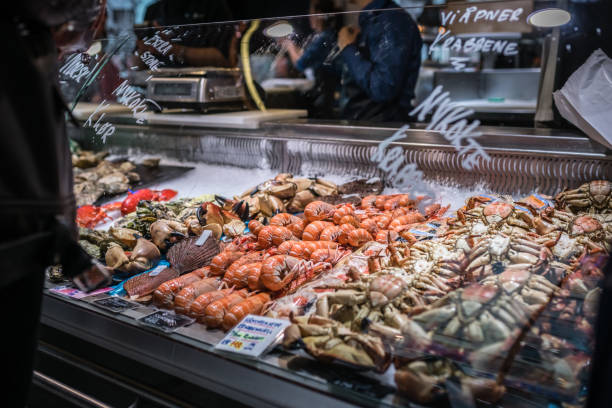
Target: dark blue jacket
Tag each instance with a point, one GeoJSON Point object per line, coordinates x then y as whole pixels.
{"type": "Point", "coordinates": [381, 69]}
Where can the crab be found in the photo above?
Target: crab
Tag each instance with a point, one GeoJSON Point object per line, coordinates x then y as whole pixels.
{"type": "Point", "coordinates": [492, 253]}
{"type": "Point", "coordinates": [575, 234]}
{"type": "Point", "coordinates": [494, 217]}
{"type": "Point", "coordinates": [329, 341]}
{"type": "Point", "coordinates": [593, 197]}
{"type": "Point", "coordinates": [423, 380]}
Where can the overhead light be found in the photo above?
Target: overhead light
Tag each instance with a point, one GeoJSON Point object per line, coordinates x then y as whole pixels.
{"type": "Point", "coordinates": [279, 29]}
{"type": "Point", "coordinates": [550, 17]}
{"type": "Point", "coordinates": [95, 48]}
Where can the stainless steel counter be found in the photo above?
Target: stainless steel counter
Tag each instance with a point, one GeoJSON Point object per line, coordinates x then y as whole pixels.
{"type": "Point", "coordinates": [522, 159]}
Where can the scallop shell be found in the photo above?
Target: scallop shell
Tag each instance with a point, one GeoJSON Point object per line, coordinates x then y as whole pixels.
{"type": "Point", "coordinates": [186, 256]}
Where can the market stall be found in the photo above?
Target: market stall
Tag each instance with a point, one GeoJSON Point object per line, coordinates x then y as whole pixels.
{"type": "Point", "coordinates": [273, 259]}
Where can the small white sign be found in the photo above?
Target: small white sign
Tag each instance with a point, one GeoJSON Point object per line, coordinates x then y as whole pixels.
{"type": "Point", "coordinates": [253, 335]}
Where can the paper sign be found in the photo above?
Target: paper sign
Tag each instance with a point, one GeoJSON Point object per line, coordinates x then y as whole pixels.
{"type": "Point", "coordinates": [74, 293]}
{"type": "Point", "coordinates": [205, 235]}
{"type": "Point", "coordinates": [253, 335]}
{"type": "Point", "coordinates": [166, 321]}
{"type": "Point", "coordinates": [115, 304]}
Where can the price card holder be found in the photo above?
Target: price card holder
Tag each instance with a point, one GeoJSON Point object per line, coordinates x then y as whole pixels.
{"type": "Point", "coordinates": [115, 304]}
{"type": "Point", "coordinates": [165, 321]}
{"type": "Point", "coordinates": [253, 336]}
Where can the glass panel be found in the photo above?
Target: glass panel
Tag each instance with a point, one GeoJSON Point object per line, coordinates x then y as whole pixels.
{"type": "Point", "coordinates": [488, 288]}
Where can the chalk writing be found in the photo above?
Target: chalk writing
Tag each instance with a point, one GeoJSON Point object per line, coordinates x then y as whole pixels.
{"type": "Point", "coordinates": [474, 15]}
{"type": "Point", "coordinates": [101, 127]}
{"type": "Point", "coordinates": [450, 120]}
{"type": "Point", "coordinates": [128, 96]}
{"type": "Point", "coordinates": [158, 43]}
{"type": "Point", "coordinates": [151, 61]}
{"type": "Point", "coordinates": [74, 68]}
{"type": "Point", "coordinates": [474, 44]}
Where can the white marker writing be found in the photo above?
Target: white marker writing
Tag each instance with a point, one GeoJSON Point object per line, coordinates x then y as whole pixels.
{"type": "Point", "coordinates": [74, 68]}
{"type": "Point", "coordinates": [128, 96]}
{"type": "Point", "coordinates": [158, 43]}
{"type": "Point", "coordinates": [101, 128]}
{"type": "Point", "coordinates": [449, 120]}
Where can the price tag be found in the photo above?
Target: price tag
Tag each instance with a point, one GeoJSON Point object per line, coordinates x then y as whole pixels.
{"type": "Point", "coordinates": [253, 336]}
{"type": "Point", "coordinates": [72, 292]}
{"type": "Point", "coordinates": [166, 321]}
{"type": "Point", "coordinates": [115, 304]}
{"type": "Point", "coordinates": [205, 235]}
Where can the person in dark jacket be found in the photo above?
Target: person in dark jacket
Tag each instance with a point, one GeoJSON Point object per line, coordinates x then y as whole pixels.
{"type": "Point", "coordinates": [381, 62]}
{"type": "Point", "coordinates": [37, 205]}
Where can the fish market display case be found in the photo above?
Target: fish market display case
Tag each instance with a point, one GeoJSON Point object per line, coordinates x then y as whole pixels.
{"type": "Point", "coordinates": [482, 289]}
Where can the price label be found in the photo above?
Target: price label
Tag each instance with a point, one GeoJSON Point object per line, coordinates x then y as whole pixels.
{"type": "Point", "coordinates": [115, 304]}
{"type": "Point", "coordinates": [166, 321]}
{"type": "Point", "coordinates": [253, 336]}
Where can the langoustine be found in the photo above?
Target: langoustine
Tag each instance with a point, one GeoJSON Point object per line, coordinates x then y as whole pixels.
{"type": "Point", "coordinates": [250, 305]}
{"type": "Point", "coordinates": [183, 299]}
{"type": "Point", "coordinates": [164, 295]}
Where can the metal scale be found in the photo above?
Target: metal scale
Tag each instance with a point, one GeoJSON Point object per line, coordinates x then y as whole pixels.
{"type": "Point", "coordinates": [205, 89]}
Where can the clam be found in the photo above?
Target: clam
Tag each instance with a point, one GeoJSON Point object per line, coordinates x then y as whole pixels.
{"type": "Point", "coordinates": [115, 258]}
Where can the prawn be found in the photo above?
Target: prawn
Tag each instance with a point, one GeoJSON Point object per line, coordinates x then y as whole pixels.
{"type": "Point", "coordinates": [253, 276]}
{"type": "Point", "coordinates": [368, 202]}
{"type": "Point", "coordinates": [370, 225]}
{"type": "Point", "coordinates": [273, 235]}
{"type": "Point", "coordinates": [250, 305]}
{"type": "Point", "coordinates": [164, 295]}
{"type": "Point", "coordinates": [255, 226]}
{"type": "Point", "coordinates": [215, 311]}
{"type": "Point", "coordinates": [332, 233]}
{"type": "Point", "coordinates": [293, 223]}
{"type": "Point", "coordinates": [386, 236]}
{"type": "Point", "coordinates": [314, 230]}
{"type": "Point", "coordinates": [183, 300]}
{"type": "Point", "coordinates": [223, 260]}
{"type": "Point", "coordinates": [359, 237]}
{"type": "Point", "coordinates": [198, 306]}
{"type": "Point", "coordinates": [401, 200]}
{"type": "Point", "coordinates": [277, 271]}
{"type": "Point", "coordinates": [329, 255]}
{"type": "Point", "coordinates": [350, 219]}
{"type": "Point", "coordinates": [412, 218]}
{"type": "Point", "coordinates": [346, 229]}
{"type": "Point", "coordinates": [238, 277]}
{"type": "Point", "coordinates": [319, 210]}
{"type": "Point", "coordinates": [304, 249]}
{"type": "Point", "coordinates": [380, 201]}
{"type": "Point", "coordinates": [383, 221]}
{"type": "Point", "coordinates": [346, 209]}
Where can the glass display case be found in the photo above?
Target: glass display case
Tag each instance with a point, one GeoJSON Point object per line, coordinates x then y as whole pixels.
{"type": "Point", "coordinates": [397, 184]}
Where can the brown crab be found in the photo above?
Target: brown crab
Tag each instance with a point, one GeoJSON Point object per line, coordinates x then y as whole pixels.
{"type": "Point", "coordinates": [593, 197]}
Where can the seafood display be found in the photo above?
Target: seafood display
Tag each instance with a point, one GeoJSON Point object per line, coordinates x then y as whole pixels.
{"type": "Point", "coordinates": [497, 296]}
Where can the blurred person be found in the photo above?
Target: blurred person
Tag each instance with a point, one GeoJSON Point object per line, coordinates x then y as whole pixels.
{"type": "Point", "coordinates": [381, 61]}
{"type": "Point", "coordinates": [37, 205]}
{"type": "Point", "coordinates": [200, 44]}
{"type": "Point", "coordinates": [312, 58]}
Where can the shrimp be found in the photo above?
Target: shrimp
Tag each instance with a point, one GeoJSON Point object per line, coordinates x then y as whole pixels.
{"type": "Point", "coordinates": [165, 293]}
{"type": "Point", "coordinates": [294, 224]}
{"type": "Point", "coordinates": [277, 271]}
{"type": "Point", "coordinates": [304, 249]}
{"type": "Point", "coordinates": [198, 306]}
{"type": "Point", "coordinates": [253, 276]}
{"type": "Point", "coordinates": [350, 219]}
{"type": "Point", "coordinates": [215, 311]}
{"type": "Point", "coordinates": [332, 233]}
{"type": "Point", "coordinates": [238, 277]}
{"type": "Point", "coordinates": [401, 211]}
{"type": "Point", "coordinates": [370, 225]}
{"type": "Point", "coordinates": [273, 235]}
{"type": "Point", "coordinates": [255, 226]}
{"type": "Point", "coordinates": [221, 261]}
{"type": "Point", "coordinates": [368, 202]}
{"type": "Point", "coordinates": [314, 230]}
{"type": "Point", "coordinates": [183, 300]}
{"type": "Point", "coordinates": [359, 237]}
{"type": "Point", "coordinates": [386, 236]}
{"type": "Point", "coordinates": [252, 257]}
{"type": "Point", "coordinates": [250, 305]}
{"type": "Point", "coordinates": [380, 201]}
{"type": "Point", "coordinates": [382, 221]}
{"type": "Point", "coordinates": [319, 210]}
{"type": "Point", "coordinates": [327, 255]}
{"type": "Point", "coordinates": [346, 229]}
{"type": "Point", "coordinates": [346, 209]}
{"type": "Point", "coordinates": [412, 218]}
{"type": "Point", "coordinates": [401, 200]}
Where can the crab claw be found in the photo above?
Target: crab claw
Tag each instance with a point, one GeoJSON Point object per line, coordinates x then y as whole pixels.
{"type": "Point", "coordinates": [241, 208]}
{"type": "Point", "coordinates": [164, 232]}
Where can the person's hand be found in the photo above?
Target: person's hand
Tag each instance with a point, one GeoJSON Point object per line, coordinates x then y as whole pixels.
{"type": "Point", "coordinates": [95, 277]}
{"type": "Point", "coordinates": [347, 36]}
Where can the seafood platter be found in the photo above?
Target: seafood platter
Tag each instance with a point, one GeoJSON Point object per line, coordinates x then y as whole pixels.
{"type": "Point", "coordinates": [498, 297]}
